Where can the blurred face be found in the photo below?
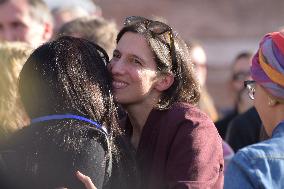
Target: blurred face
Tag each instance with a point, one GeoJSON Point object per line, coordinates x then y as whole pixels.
{"type": "Point", "coordinates": [199, 62]}
{"type": "Point", "coordinates": [16, 24]}
{"type": "Point", "coordinates": [61, 18]}
{"type": "Point", "coordinates": [241, 72]}
{"type": "Point", "coordinates": [134, 70]}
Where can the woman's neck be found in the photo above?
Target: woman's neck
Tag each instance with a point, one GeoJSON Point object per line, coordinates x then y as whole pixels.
{"type": "Point", "coordinates": [275, 119]}
{"type": "Point", "coordinates": [138, 115]}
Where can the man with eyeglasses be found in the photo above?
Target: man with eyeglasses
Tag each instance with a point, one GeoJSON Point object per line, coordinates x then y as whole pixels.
{"type": "Point", "coordinates": [246, 128]}
{"type": "Point", "coordinates": [242, 126]}
{"type": "Point", "coordinates": [240, 72]}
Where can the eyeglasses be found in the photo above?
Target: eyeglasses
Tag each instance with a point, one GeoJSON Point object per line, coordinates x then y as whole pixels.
{"type": "Point", "coordinates": [157, 28]}
{"type": "Point", "coordinates": [250, 85]}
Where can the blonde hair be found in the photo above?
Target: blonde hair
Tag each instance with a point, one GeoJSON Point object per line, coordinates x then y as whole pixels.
{"type": "Point", "coordinates": [12, 114]}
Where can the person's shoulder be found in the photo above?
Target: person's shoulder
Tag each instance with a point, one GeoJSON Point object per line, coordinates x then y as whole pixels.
{"type": "Point", "coordinates": [88, 135]}
{"type": "Point", "coordinates": [194, 122]}
{"type": "Point", "coordinates": [248, 117]}
{"type": "Point", "coordinates": [72, 135]}
{"type": "Point", "coordinates": [187, 121]}
{"type": "Point", "coordinates": [263, 157]}
{"type": "Point", "coordinates": [265, 150]}
{"type": "Point", "coordinates": [189, 112]}
{"type": "Point", "coordinates": [18, 138]}
{"type": "Point", "coordinates": [245, 160]}
{"type": "Point", "coordinates": [227, 117]}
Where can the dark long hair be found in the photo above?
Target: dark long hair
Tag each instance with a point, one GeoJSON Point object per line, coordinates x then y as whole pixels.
{"type": "Point", "coordinates": [69, 75]}
{"type": "Point", "coordinates": [185, 87]}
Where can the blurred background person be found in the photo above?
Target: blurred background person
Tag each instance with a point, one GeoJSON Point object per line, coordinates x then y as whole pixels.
{"type": "Point", "coordinates": [262, 165]}
{"type": "Point", "coordinates": [12, 114]}
{"type": "Point", "coordinates": [245, 129]}
{"type": "Point", "coordinates": [198, 58]}
{"type": "Point", "coordinates": [239, 73]}
{"type": "Point", "coordinates": [28, 21]}
{"type": "Point", "coordinates": [64, 14]}
{"type": "Point", "coordinates": [98, 30]}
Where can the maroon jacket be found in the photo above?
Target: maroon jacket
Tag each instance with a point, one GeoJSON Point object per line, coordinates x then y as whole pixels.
{"type": "Point", "coordinates": [179, 148]}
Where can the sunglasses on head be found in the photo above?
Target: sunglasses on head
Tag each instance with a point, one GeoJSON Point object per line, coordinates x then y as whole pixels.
{"type": "Point", "coordinates": [156, 28]}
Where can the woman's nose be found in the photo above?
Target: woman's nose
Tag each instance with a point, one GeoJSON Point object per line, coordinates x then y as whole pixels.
{"type": "Point", "coordinates": [116, 67]}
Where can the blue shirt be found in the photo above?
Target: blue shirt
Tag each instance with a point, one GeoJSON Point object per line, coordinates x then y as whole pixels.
{"type": "Point", "coordinates": [260, 165]}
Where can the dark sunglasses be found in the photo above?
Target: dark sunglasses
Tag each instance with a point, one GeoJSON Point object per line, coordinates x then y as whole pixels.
{"type": "Point", "coordinates": [156, 28]}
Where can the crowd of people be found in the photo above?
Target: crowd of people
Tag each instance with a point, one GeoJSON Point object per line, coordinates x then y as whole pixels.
{"type": "Point", "coordinates": [87, 105]}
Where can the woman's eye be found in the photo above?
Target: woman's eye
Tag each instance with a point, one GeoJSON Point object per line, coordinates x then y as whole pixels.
{"type": "Point", "coordinates": [18, 25]}
{"type": "Point", "coordinates": [135, 61]}
{"type": "Point", "coordinates": [116, 55]}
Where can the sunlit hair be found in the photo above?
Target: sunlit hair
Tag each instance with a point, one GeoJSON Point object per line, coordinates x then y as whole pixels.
{"type": "Point", "coordinates": [98, 30]}
{"type": "Point", "coordinates": [12, 114]}
{"type": "Point", "coordinates": [69, 75]}
{"type": "Point", "coordinates": [185, 87]}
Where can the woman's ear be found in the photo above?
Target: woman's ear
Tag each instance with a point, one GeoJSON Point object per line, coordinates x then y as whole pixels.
{"type": "Point", "coordinates": [164, 82]}
{"type": "Point", "coordinates": [271, 101]}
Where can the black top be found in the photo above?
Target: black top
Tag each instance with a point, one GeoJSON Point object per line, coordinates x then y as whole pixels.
{"type": "Point", "coordinates": [244, 130]}
{"type": "Point", "coordinates": [48, 154]}
{"type": "Point", "coordinates": [222, 124]}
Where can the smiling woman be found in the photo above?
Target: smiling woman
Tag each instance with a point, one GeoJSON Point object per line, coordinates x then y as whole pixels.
{"type": "Point", "coordinates": [134, 71]}
{"type": "Point", "coordinates": [177, 146]}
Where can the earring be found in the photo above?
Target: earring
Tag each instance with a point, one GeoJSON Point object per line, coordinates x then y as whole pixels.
{"type": "Point", "coordinates": [271, 101]}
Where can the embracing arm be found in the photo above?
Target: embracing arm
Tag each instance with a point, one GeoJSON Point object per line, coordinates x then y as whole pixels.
{"type": "Point", "coordinates": [85, 180]}
{"type": "Point", "coordinates": [93, 162]}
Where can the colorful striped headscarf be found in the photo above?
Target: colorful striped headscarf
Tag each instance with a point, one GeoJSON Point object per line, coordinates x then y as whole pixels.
{"type": "Point", "coordinates": [268, 64]}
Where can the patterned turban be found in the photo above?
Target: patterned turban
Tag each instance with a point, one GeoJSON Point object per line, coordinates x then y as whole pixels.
{"type": "Point", "coordinates": [268, 64]}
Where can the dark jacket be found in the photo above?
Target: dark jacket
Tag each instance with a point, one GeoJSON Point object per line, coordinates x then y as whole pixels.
{"type": "Point", "coordinates": [222, 124]}
{"type": "Point", "coordinates": [48, 154]}
{"type": "Point", "coordinates": [244, 130]}
{"type": "Point", "coordinates": [179, 148]}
